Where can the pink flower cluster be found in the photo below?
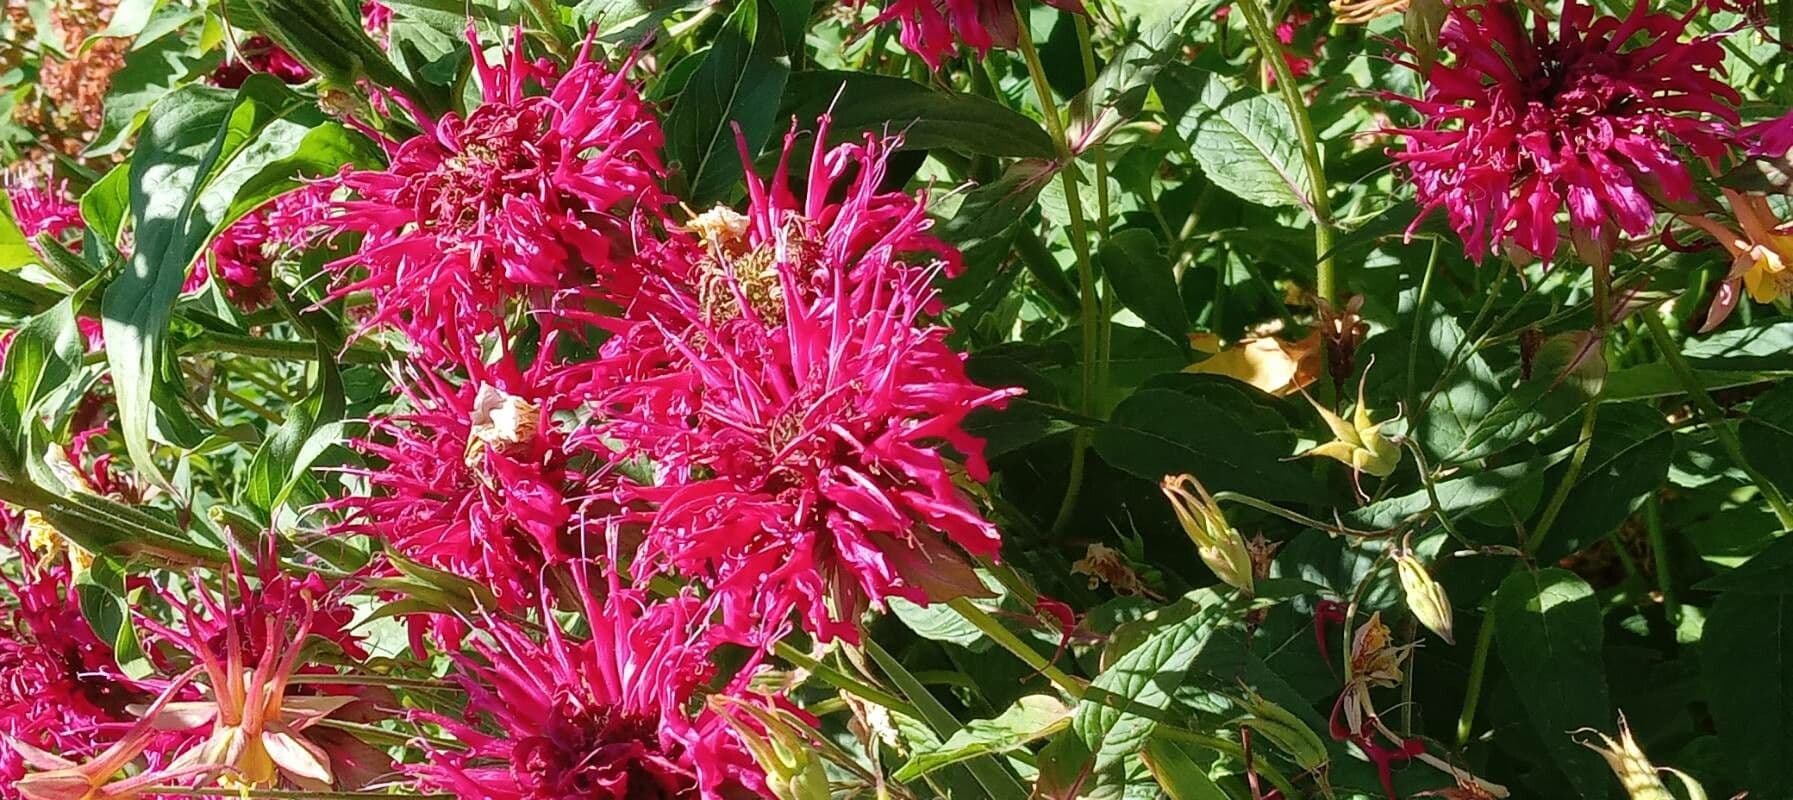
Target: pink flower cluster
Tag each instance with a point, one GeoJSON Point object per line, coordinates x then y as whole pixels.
{"type": "Point", "coordinates": [748, 411]}
{"type": "Point", "coordinates": [1522, 126]}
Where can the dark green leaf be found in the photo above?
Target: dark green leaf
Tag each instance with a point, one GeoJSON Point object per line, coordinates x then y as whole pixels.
{"type": "Point", "coordinates": [1209, 429]}
{"type": "Point", "coordinates": [1178, 773]}
{"type": "Point", "coordinates": [927, 118]}
{"type": "Point", "coordinates": [310, 428]}
{"type": "Point", "coordinates": [739, 84]}
{"type": "Point", "coordinates": [198, 148]}
{"type": "Point", "coordinates": [1746, 664]}
{"type": "Point", "coordinates": [1628, 460]}
{"type": "Point", "coordinates": [1549, 637]}
{"type": "Point", "coordinates": [1767, 434]}
{"type": "Point", "coordinates": [1144, 282]}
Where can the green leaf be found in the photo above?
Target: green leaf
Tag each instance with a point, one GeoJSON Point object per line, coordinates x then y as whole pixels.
{"type": "Point", "coordinates": [198, 148]}
{"type": "Point", "coordinates": [1178, 773]}
{"type": "Point", "coordinates": [1246, 145]}
{"type": "Point", "coordinates": [327, 37]}
{"type": "Point", "coordinates": [1746, 665]}
{"type": "Point", "coordinates": [107, 607]}
{"type": "Point", "coordinates": [1769, 572]}
{"type": "Point", "coordinates": [311, 427]}
{"type": "Point", "coordinates": [128, 19]}
{"type": "Point", "coordinates": [1767, 435]}
{"type": "Point", "coordinates": [1120, 89]}
{"type": "Point", "coordinates": [151, 70]}
{"type": "Point", "coordinates": [858, 103]}
{"type": "Point", "coordinates": [105, 203]}
{"type": "Point", "coordinates": [15, 249]}
{"type": "Point", "coordinates": [1143, 280]}
{"type": "Point", "coordinates": [43, 353]}
{"type": "Point", "coordinates": [739, 84]}
{"type": "Point", "coordinates": [1629, 459]}
{"type": "Point", "coordinates": [998, 782]}
{"type": "Point", "coordinates": [1456, 496]}
{"type": "Point", "coordinates": [1220, 431]}
{"type": "Point", "coordinates": [1031, 718]}
{"type": "Point", "coordinates": [1549, 638]}
{"type": "Point", "coordinates": [1130, 698]}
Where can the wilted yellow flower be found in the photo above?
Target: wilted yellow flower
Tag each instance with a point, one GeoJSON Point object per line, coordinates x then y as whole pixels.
{"type": "Point", "coordinates": [1425, 597]}
{"type": "Point", "coordinates": [1641, 779]}
{"type": "Point", "coordinates": [1267, 362]}
{"type": "Point", "coordinates": [1375, 663]}
{"type": "Point", "coordinates": [1219, 545]}
{"type": "Point", "coordinates": [1359, 442]}
{"type": "Point", "coordinates": [1761, 254]}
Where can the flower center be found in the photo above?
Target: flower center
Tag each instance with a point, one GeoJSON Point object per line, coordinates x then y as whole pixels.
{"type": "Point", "coordinates": [599, 752]}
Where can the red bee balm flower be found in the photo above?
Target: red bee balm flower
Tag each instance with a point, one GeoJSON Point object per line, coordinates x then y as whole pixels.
{"type": "Point", "coordinates": [797, 408]}
{"type": "Point", "coordinates": [1520, 128]}
{"type": "Point", "coordinates": [527, 198]}
{"type": "Point", "coordinates": [933, 29]}
{"type": "Point", "coordinates": [601, 718]}
{"type": "Point", "coordinates": [475, 480]}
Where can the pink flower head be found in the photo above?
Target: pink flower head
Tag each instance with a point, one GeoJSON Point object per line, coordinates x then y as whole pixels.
{"type": "Point", "coordinates": [934, 29]}
{"type": "Point", "coordinates": [798, 409]}
{"type": "Point", "coordinates": [60, 687]}
{"type": "Point", "coordinates": [604, 717]}
{"type": "Point", "coordinates": [532, 198]}
{"type": "Point", "coordinates": [1519, 128]}
{"type": "Point", "coordinates": [474, 479]}
{"type": "Point", "coordinates": [376, 17]}
{"type": "Point", "coordinates": [243, 255]}
{"type": "Point", "coordinates": [259, 54]}
{"type": "Point", "coordinates": [250, 641]}
{"type": "Point", "coordinates": [41, 210]}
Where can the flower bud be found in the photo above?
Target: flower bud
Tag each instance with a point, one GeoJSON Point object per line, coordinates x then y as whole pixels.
{"type": "Point", "coordinates": [1425, 597]}
{"type": "Point", "coordinates": [1641, 779]}
{"type": "Point", "coordinates": [1219, 545]}
{"type": "Point", "coordinates": [781, 744]}
{"type": "Point", "coordinates": [1285, 730]}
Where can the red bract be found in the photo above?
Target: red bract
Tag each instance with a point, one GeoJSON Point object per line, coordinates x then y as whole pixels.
{"type": "Point", "coordinates": [1519, 128]}
{"type": "Point", "coordinates": [604, 718]}
{"type": "Point", "coordinates": [530, 199]}
{"type": "Point", "coordinates": [934, 29]}
{"type": "Point", "coordinates": [474, 480]}
{"type": "Point", "coordinates": [797, 408]}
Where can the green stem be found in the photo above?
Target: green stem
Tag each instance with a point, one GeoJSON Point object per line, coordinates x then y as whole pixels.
{"type": "Point", "coordinates": [844, 682]}
{"type": "Point", "coordinates": [1714, 417]}
{"type": "Point", "coordinates": [1045, 271]}
{"type": "Point", "coordinates": [982, 620]}
{"type": "Point", "coordinates": [1299, 519]}
{"type": "Point", "coordinates": [1228, 747]}
{"type": "Point", "coordinates": [1602, 323]}
{"type": "Point", "coordinates": [1478, 670]}
{"type": "Point", "coordinates": [1080, 245]}
{"type": "Point", "coordinates": [1665, 582]}
{"type": "Point", "coordinates": [1320, 203]}
{"type": "Point", "coordinates": [1416, 411]}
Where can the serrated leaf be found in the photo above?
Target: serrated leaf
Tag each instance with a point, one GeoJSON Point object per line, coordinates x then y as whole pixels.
{"type": "Point", "coordinates": [1129, 699]}
{"type": "Point", "coordinates": [1031, 718]}
{"type": "Point", "coordinates": [1629, 459]}
{"type": "Point", "coordinates": [1245, 144]}
{"type": "Point", "coordinates": [927, 118]}
{"type": "Point", "coordinates": [1548, 632]}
